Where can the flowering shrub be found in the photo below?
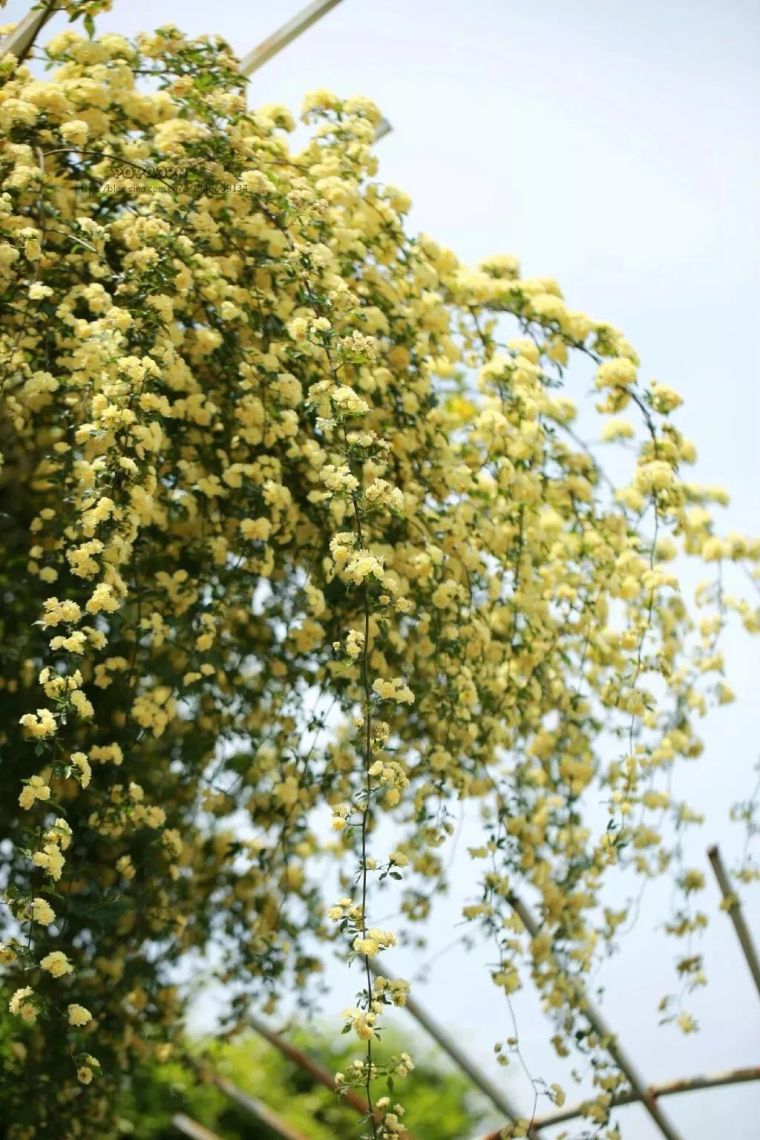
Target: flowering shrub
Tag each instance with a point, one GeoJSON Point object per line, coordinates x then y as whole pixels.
{"type": "Point", "coordinates": [295, 514]}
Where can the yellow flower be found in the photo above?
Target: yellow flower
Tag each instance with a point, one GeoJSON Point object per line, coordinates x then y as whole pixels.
{"type": "Point", "coordinates": [78, 1015]}
{"type": "Point", "coordinates": [617, 429]}
{"type": "Point", "coordinates": [256, 529]}
{"type": "Point", "coordinates": [35, 789]}
{"type": "Point", "coordinates": [50, 859]}
{"type": "Point", "coordinates": [39, 725]}
{"type": "Point", "coordinates": [39, 292]}
{"type": "Point", "coordinates": [393, 690]}
{"type": "Point", "coordinates": [82, 765]}
{"type": "Point", "coordinates": [461, 409]}
{"type": "Point", "coordinates": [619, 372]}
{"type": "Point", "coordinates": [355, 643]}
{"type": "Point", "coordinates": [82, 705]}
{"type": "Point", "coordinates": [664, 399]}
{"type": "Point", "coordinates": [20, 1006]}
{"type": "Point", "coordinates": [692, 881]}
{"type": "Point", "coordinates": [287, 791]}
{"type": "Point", "coordinates": [42, 911]}
{"type": "Point", "coordinates": [548, 306]}
{"type": "Point", "coordinates": [56, 963]}
{"type": "Point", "coordinates": [366, 946]}
{"type": "Point", "coordinates": [75, 131]}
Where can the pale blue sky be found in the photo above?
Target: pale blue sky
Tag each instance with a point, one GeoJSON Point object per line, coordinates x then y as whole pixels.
{"type": "Point", "coordinates": [611, 145]}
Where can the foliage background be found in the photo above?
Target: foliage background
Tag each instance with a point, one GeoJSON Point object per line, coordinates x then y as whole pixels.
{"type": "Point", "coordinates": [442, 1101]}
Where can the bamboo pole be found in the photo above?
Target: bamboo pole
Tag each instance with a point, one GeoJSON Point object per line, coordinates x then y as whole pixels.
{"type": "Point", "coordinates": [20, 41]}
{"type": "Point", "coordinates": [189, 1127]}
{"type": "Point", "coordinates": [497, 1097]}
{"type": "Point", "coordinates": [667, 1088]}
{"type": "Point", "coordinates": [733, 907]}
{"type": "Point", "coordinates": [285, 35]}
{"type": "Point", "coordinates": [608, 1037]}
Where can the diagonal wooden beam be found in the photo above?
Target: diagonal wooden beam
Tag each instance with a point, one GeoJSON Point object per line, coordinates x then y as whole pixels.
{"type": "Point", "coordinates": [317, 1071]}
{"type": "Point", "coordinates": [191, 1128]}
{"type": "Point", "coordinates": [608, 1037]}
{"type": "Point", "coordinates": [320, 1074]}
{"type": "Point", "coordinates": [285, 35]}
{"type": "Point", "coordinates": [20, 41]}
{"type": "Point", "coordinates": [667, 1088]}
{"type": "Point", "coordinates": [250, 1104]}
{"type": "Point", "coordinates": [496, 1095]}
{"type": "Point", "coordinates": [254, 1107]}
{"type": "Point", "coordinates": [383, 128]}
{"type": "Point", "coordinates": [733, 906]}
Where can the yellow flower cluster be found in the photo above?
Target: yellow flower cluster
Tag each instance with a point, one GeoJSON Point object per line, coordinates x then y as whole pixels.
{"type": "Point", "coordinates": [78, 1015]}
{"type": "Point", "coordinates": [42, 912]}
{"type": "Point", "coordinates": [35, 789]}
{"type": "Point", "coordinates": [374, 941]}
{"type": "Point", "coordinates": [393, 690]}
{"type": "Point", "coordinates": [56, 963]}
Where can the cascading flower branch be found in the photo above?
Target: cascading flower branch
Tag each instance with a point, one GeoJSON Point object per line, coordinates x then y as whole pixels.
{"type": "Point", "coordinates": [295, 514]}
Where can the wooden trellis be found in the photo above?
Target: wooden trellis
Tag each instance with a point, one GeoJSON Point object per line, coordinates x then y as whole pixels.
{"type": "Point", "coordinates": [639, 1091]}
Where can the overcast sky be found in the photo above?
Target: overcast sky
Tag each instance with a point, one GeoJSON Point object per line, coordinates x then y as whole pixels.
{"type": "Point", "coordinates": [614, 146]}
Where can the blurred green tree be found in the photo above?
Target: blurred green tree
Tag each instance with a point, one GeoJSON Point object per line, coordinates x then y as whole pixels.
{"type": "Point", "coordinates": [440, 1101]}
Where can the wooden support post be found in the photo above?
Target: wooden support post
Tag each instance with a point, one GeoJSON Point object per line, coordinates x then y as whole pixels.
{"type": "Point", "coordinates": [383, 128]}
